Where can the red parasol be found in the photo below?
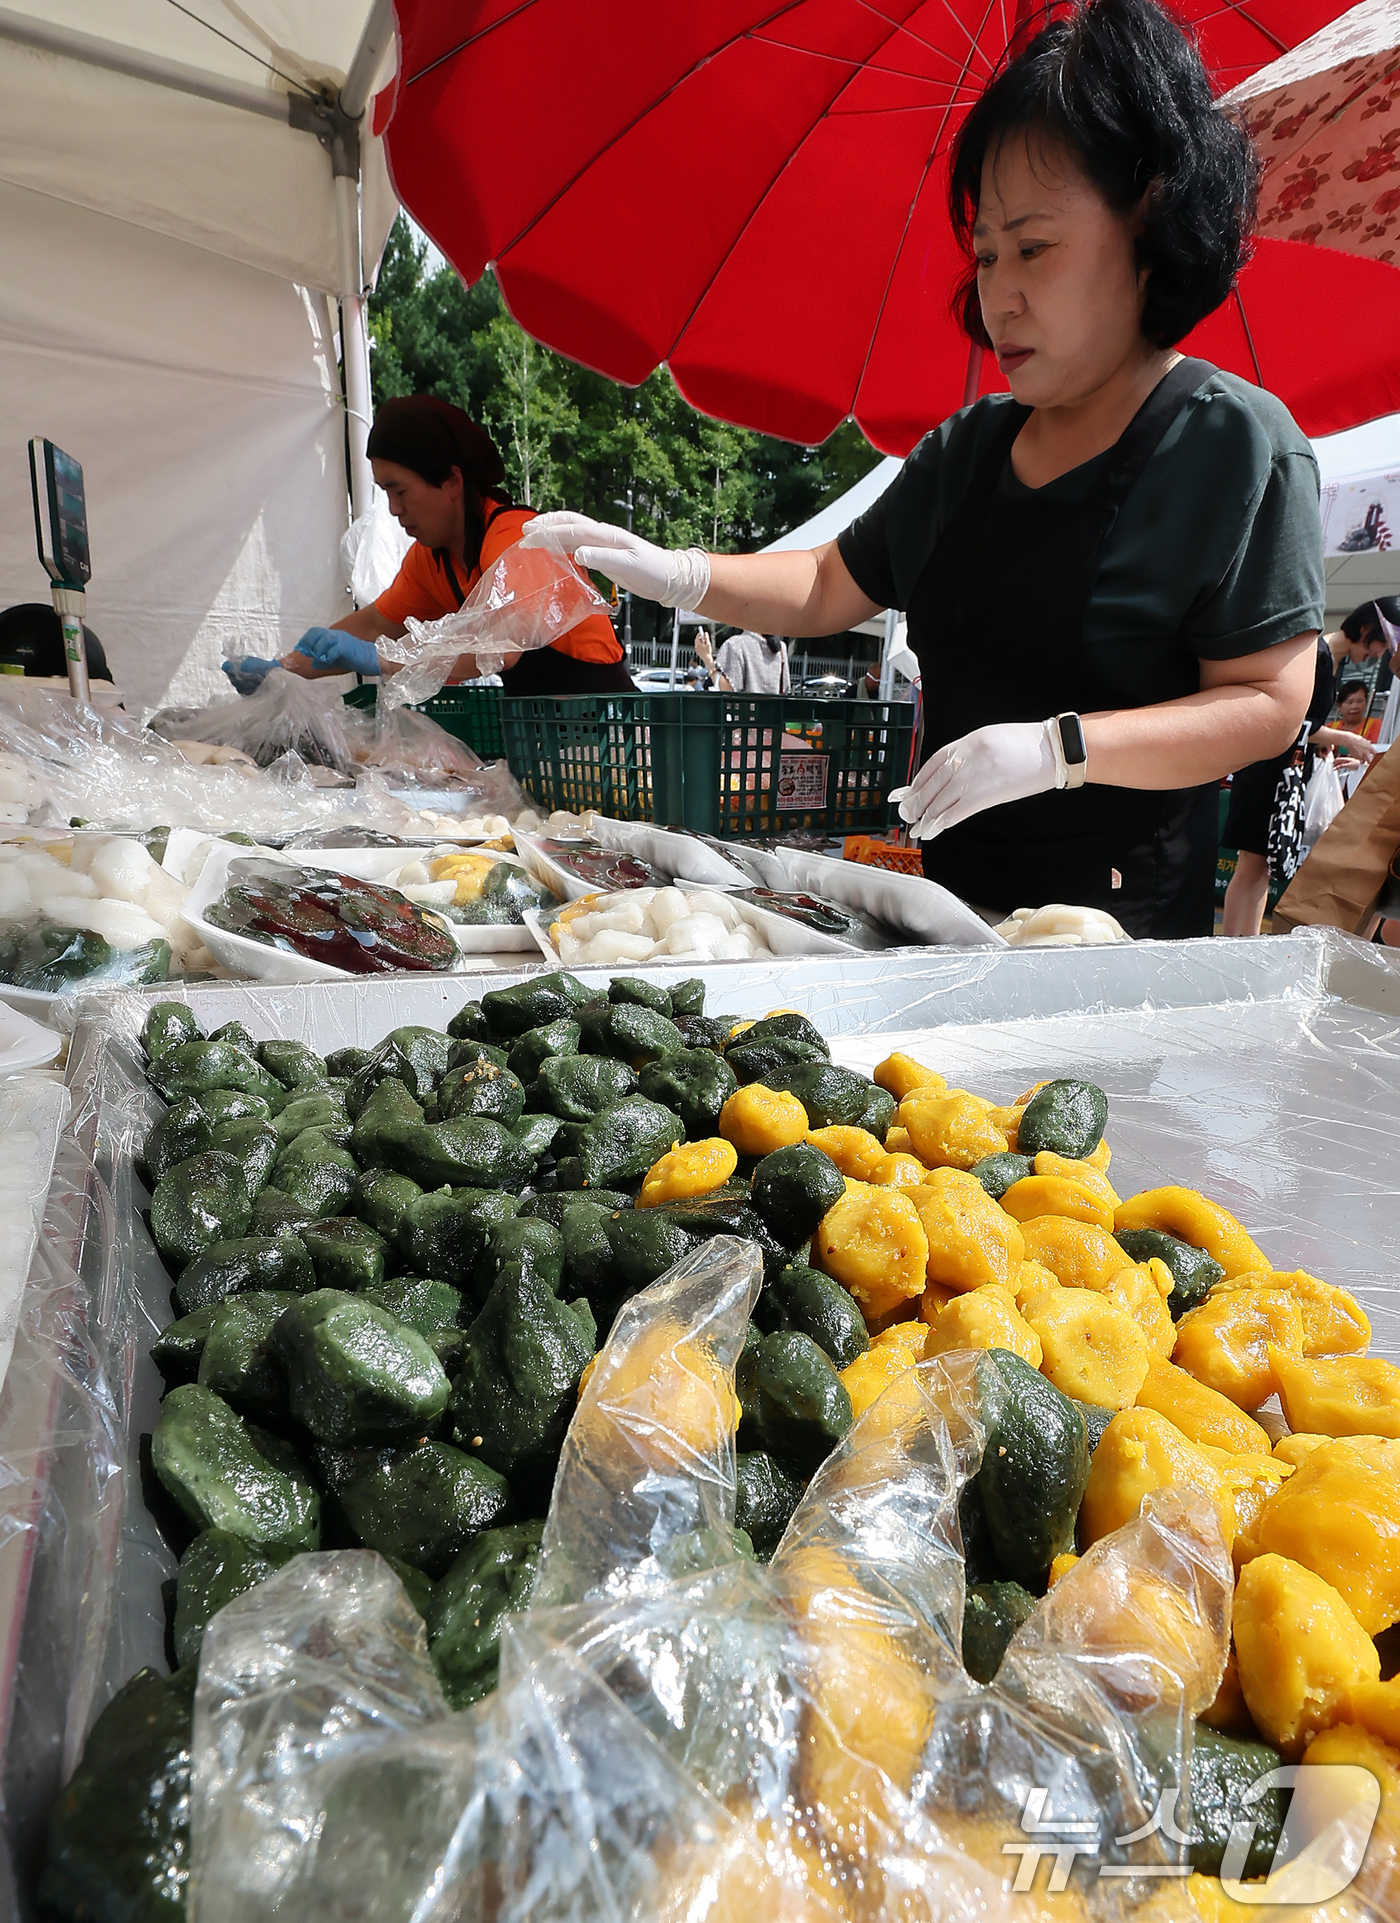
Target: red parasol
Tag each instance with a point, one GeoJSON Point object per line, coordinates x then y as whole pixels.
{"type": "Point", "coordinates": [755, 194]}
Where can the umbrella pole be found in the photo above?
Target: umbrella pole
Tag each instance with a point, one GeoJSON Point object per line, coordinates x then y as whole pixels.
{"type": "Point", "coordinates": [973, 379]}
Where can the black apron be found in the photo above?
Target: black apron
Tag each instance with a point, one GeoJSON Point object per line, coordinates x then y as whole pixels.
{"type": "Point", "coordinates": [549, 670]}
{"type": "Point", "coordinates": [1146, 856]}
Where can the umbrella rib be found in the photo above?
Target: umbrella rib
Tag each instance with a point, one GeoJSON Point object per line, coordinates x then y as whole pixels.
{"type": "Point", "coordinates": [758, 204]}
{"type": "Point", "coordinates": [1249, 338]}
{"type": "Point", "coordinates": [909, 216]}
{"type": "Point", "coordinates": [866, 66]}
{"type": "Point", "coordinates": [639, 116]}
{"type": "Point", "coordinates": [1233, 6]}
{"type": "Point", "coordinates": [524, 6]}
{"type": "Point", "coordinates": [919, 39]}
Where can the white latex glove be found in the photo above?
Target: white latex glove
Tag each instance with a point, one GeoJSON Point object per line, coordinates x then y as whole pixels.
{"type": "Point", "coordinates": [1005, 762]}
{"type": "Point", "coordinates": [676, 577]}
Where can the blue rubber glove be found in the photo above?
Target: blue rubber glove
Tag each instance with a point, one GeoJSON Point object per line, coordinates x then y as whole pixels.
{"type": "Point", "coordinates": [249, 673]}
{"type": "Point", "coordinates": [334, 648]}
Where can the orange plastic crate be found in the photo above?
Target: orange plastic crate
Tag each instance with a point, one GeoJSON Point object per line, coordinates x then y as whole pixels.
{"type": "Point", "coordinates": [883, 854]}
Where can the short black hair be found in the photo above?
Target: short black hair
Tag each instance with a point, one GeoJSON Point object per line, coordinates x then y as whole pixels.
{"type": "Point", "coordinates": [1368, 616]}
{"type": "Point", "coordinates": [1121, 86]}
{"type": "Point", "coordinates": [1352, 687]}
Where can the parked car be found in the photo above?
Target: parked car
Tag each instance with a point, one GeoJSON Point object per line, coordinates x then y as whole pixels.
{"type": "Point", "coordinates": [658, 680]}
{"type": "Point", "coordinates": [828, 687]}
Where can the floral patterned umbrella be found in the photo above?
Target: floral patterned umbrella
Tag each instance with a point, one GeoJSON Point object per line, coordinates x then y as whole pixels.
{"type": "Point", "coordinates": [1326, 121]}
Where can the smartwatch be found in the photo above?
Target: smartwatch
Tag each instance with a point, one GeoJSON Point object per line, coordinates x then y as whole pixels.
{"type": "Point", "coordinates": [1072, 746]}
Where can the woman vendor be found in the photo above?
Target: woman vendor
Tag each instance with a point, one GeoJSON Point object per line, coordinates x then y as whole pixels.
{"type": "Point", "coordinates": [1152, 522]}
{"type": "Point", "coordinates": [443, 478]}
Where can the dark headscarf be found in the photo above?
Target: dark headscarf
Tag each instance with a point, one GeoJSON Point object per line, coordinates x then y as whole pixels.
{"type": "Point", "coordinates": [432, 437]}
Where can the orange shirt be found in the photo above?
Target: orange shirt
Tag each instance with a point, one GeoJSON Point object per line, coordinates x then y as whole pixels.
{"type": "Point", "coordinates": [422, 589]}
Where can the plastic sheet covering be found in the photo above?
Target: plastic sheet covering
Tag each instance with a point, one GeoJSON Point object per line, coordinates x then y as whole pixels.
{"type": "Point", "coordinates": [107, 771]}
{"type": "Point", "coordinates": [1265, 1073]}
{"type": "Point", "coordinates": [526, 601]}
{"type": "Point", "coordinates": [33, 1111]}
{"type": "Point", "coordinates": [285, 714]}
{"type": "Point", "coordinates": [289, 715]}
{"type": "Point", "coordinates": [681, 1734]}
{"type": "Point", "coordinates": [65, 1420]}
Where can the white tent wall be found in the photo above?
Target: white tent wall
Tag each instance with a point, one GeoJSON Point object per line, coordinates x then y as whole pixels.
{"type": "Point", "coordinates": [163, 315]}
{"type": "Point", "coordinates": [203, 400]}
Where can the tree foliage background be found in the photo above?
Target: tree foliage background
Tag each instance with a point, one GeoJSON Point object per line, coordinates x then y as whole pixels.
{"type": "Point", "coordinates": [572, 438]}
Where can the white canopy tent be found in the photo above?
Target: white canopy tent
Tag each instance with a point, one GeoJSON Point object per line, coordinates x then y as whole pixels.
{"type": "Point", "coordinates": [192, 207]}
{"type": "Point", "coordinates": [825, 525]}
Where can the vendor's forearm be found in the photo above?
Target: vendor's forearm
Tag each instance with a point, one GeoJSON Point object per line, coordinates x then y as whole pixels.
{"type": "Point", "coordinates": [1201, 738]}
{"type": "Point", "coordinates": [368, 624]}
{"type": "Point", "coordinates": [806, 592]}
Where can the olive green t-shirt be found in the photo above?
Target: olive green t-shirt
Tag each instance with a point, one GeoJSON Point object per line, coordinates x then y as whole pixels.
{"type": "Point", "coordinates": [1216, 552]}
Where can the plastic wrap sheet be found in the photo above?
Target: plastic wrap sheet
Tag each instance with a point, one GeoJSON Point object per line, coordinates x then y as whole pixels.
{"type": "Point", "coordinates": [65, 1482]}
{"type": "Point", "coordinates": [59, 762]}
{"type": "Point", "coordinates": [526, 601]}
{"type": "Point", "coordinates": [1265, 1072]}
{"type": "Point", "coordinates": [287, 714]}
{"type": "Point", "coordinates": [681, 1734]}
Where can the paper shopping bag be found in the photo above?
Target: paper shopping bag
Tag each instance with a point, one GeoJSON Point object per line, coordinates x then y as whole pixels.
{"type": "Point", "coordinates": [1340, 883]}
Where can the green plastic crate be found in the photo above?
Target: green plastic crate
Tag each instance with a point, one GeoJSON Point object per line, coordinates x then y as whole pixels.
{"type": "Point", "coordinates": [737, 766]}
{"type": "Point", "coordinates": [472, 715]}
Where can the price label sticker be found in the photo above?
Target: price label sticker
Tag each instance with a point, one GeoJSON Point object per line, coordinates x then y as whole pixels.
{"type": "Point", "coordinates": [802, 781]}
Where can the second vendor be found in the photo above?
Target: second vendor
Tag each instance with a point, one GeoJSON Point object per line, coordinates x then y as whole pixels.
{"type": "Point", "coordinates": [444, 479]}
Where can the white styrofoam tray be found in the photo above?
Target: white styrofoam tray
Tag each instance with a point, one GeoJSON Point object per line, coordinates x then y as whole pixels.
{"type": "Point", "coordinates": [784, 936]}
{"type": "Point", "coordinates": [259, 962]}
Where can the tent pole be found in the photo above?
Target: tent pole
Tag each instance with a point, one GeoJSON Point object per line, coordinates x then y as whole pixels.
{"type": "Point", "coordinates": [379, 31]}
{"type": "Point", "coordinates": [345, 148]}
{"type": "Point", "coordinates": [354, 340]}
{"type": "Point", "coordinates": [48, 36]}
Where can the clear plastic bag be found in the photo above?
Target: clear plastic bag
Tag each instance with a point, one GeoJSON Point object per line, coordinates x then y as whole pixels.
{"type": "Point", "coordinates": [525, 601]}
{"type": "Point", "coordinates": [680, 1733]}
{"type": "Point", "coordinates": [285, 714]}
{"type": "Point", "coordinates": [372, 549]}
{"type": "Point", "coordinates": [413, 746]}
{"type": "Point", "coordinates": [62, 762]}
{"type": "Point", "coordinates": [1323, 800]}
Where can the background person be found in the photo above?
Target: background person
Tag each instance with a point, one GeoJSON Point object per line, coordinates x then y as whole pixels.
{"type": "Point", "coordinates": [1154, 520]}
{"type": "Point", "coordinates": [746, 663]}
{"type": "Point", "coordinates": [1253, 793]}
{"type": "Point", "coordinates": [444, 479]}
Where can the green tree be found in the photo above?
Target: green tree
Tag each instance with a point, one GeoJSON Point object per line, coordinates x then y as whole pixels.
{"type": "Point", "coordinates": [570, 437]}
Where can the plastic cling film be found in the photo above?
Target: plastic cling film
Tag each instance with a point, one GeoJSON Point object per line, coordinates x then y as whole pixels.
{"type": "Point", "coordinates": [102, 769]}
{"type": "Point", "coordinates": [64, 1477]}
{"type": "Point", "coordinates": [646, 1479]}
{"type": "Point", "coordinates": [526, 601]}
{"type": "Point", "coordinates": [701, 1737]}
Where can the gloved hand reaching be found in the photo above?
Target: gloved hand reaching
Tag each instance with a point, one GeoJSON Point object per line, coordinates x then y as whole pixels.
{"type": "Point", "coordinates": [1005, 762]}
{"type": "Point", "coordinates": [249, 673]}
{"type": "Point", "coordinates": [676, 577]}
{"type": "Point", "coordinates": [341, 653]}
